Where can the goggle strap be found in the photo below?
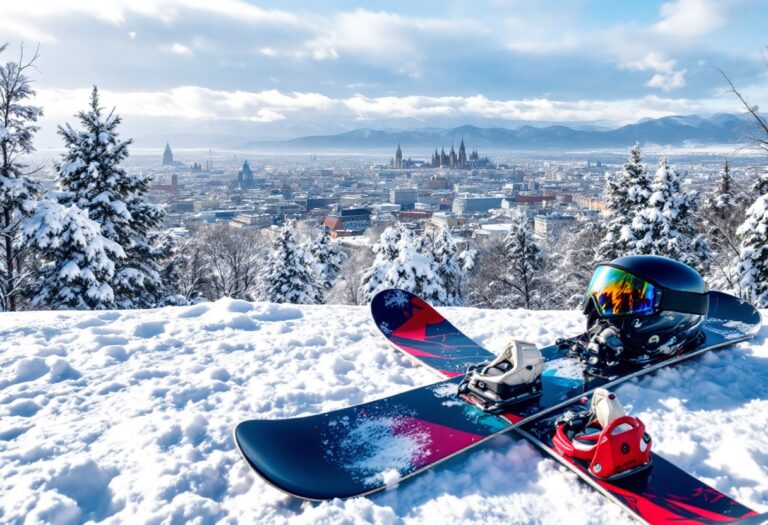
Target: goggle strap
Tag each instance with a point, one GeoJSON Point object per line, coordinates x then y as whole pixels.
{"type": "Point", "coordinates": [686, 302]}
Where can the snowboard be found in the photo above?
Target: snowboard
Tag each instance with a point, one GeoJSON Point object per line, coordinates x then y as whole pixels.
{"type": "Point", "coordinates": [361, 449]}
{"type": "Point", "coordinates": [664, 494]}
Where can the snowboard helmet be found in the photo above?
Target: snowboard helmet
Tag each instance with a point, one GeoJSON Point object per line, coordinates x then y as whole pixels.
{"type": "Point", "coordinates": [642, 305]}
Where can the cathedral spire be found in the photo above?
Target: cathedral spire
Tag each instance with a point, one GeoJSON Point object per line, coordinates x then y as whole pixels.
{"type": "Point", "coordinates": [167, 155]}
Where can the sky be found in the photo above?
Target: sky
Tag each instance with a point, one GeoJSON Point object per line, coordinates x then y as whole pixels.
{"type": "Point", "coordinates": [289, 68]}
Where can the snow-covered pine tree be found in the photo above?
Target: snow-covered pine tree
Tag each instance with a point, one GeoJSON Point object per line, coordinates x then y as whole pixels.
{"type": "Point", "coordinates": [327, 259]}
{"type": "Point", "coordinates": [753, 258]}
{"type": "Point", "coordinates": [385, 252]}
{"type": "Point", "coordinates": [91, 177]}
{"type": "Point", "coordinates": [288, 275]}
{"type": "Point", "coordinates": [77, 260]}
{"type": "Point", "coordinates": [524, 258]}
{"type": "Point", "coordinates": [450, 266]}
{"type": "Point", "coordinates": [626, 193]}
{"type": "Point", "coordinates": [666, 226]}
{"type": "Point", "coordinates": [401, 261]}
{"type": "Point", "coordinates": [722, 213]}
{"type": "Point", "coordinates": [17, 190]}
{"type": "Point", "coordinates": [575, 264]}
{"type": "Point", "coordinates": [415, 271]}
{"type": "Point", "coordinates": [760, 187]}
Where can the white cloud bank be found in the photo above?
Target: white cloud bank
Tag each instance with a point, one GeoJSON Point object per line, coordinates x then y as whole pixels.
{"type": "Point", "coordinates": [194, 102]}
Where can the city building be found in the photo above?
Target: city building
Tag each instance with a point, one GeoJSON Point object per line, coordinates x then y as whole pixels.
{"type": "Point", "coordinates": [495, 232]}
{"type": "Point", "coordinates": [247, 220]}
{"type": "Point", "coordinates": [245, 177]}
{"type": "Point", "coordinates": [352, 221]}
{"type": "Point", "coordinates": [464, 204]}
{"type": "Point", "coordinates": [405, 197]}
{"type": "Point", "coordinates": [590, 203]}
{"type": "Point", "coordinates": [167, 156]}
{"type": "Point", "coordinates": [398, 158]}
{"type": "Point", "coordinates": [444, 220]}
{"type": "Point", "coordinates": [459, 160]}
{"type": "Point", "coordinates": [549, 227]}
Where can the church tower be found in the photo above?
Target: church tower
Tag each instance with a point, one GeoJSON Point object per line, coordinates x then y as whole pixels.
{"type": "Point", "coordinates": [245, 177]}
{"type": "Point", "coordinates": [167, 156]}
{"type": "Point", "coordinates": [462, 155]}
{"type": "Point", "coordinates": [398, 157]}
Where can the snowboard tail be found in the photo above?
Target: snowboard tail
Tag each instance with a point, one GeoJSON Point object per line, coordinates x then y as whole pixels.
{"type": "Point", "coordinates": [662, 494]}
{"type": "Point", "coordinates": [422, 333]}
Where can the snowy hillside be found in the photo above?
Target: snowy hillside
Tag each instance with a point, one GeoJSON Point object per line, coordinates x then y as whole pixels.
{"type": "Point", "coordinates": [126, 417]}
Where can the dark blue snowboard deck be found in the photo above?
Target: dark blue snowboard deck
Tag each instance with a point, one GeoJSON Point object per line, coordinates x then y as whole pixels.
{"type": "Point", "coordinates": [362, 449]}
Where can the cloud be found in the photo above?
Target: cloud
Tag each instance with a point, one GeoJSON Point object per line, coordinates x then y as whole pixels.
{"type": "Point", "coordinates": [510, 49]}
{"type": "Point", "coordinates": [387, 39]}
{"type": "Point", "coordinates": [667, 82]}
{"type": "Point", "coordinates": [690, 18]}
{"type": "Point", "coordinates": [116, 11]}
{"type": "Point", "coordinates": [180, 49]}
{"type": "Point", "coordinates": [192, 102]}
{"type": "Point", "coordinates": [666, 77]}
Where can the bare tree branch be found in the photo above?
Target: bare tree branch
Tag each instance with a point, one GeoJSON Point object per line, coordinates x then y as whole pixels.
{"type": "Point", "coordinates": [752, 110]}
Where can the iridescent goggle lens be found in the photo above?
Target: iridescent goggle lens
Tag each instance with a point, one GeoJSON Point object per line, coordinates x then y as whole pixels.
{"type": "Point", "coordinates": [616, 292]}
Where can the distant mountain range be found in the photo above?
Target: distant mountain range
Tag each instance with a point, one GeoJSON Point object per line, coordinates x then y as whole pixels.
{"type": "Point", "coordinates": [722, 128]}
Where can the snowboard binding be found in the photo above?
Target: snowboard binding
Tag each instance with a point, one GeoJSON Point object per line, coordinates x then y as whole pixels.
{"type": "Point", "coordinates": [512, 378]}
{"type": "Point", "coordinates": [604, 354]}
{"type": "Point", "coordinates": [613, 444]}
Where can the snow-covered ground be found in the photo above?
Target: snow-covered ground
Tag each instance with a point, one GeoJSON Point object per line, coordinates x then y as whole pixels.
{"type": "Point", "coordinates": [126, 417]}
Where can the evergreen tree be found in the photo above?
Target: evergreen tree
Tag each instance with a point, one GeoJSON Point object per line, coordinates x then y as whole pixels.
{"type": "Point", "coordinates": [574, 265]}
{"type": "Point", "coordinates": [91, 177]}
{"type": "Point", "coordinates": [385, 252]}
{"type": "Point", "coordinates": [722, 213]}
{"type": "Point", "coordinates": [451, 266]}
{"type": "Point", "coordinates": [666, 226]}
{"type": "Point", "coordinates": [760, 187]}
{"type": "Point", "coordinates": [17, 190]}
{"type": "Point", "coordinates": [288, 277]}
{"type": "Point", "coordinates": [524, 259]}
{"type": "Point", "coordinates": [626, 194]}
{"type": "Point", "coordinates": [401, 261]}
{"type": "Point", "coordinates": [753, 258]}
{"type": "Point", "coordinates": [414, 271]}
{"type": "Point", "coordinates": [327, 259]}
{"type": "Point", "coordinates": [77, 261]}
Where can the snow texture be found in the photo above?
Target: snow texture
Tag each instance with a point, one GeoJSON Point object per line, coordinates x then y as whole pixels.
{"type": "Point", "coordinates": [127, 417]}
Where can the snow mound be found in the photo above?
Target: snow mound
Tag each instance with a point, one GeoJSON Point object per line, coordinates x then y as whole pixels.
{"type": "Point", "coordinates": [126, 417]}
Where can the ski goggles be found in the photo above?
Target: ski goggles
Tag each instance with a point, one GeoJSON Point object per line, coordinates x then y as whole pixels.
{"type": "Point", "coordinates": [616, 292]}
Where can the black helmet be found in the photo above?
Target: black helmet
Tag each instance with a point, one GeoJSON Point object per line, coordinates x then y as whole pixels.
{"type": "Point", "coordinates": [641, 306]}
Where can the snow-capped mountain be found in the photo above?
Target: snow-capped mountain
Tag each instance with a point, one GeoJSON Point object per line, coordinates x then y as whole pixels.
{"type": "Point", "coordinates": [126, 417]}
{"type": "Point", "coordinates": [721, 128]}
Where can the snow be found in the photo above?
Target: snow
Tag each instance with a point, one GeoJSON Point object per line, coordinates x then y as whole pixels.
{"type": "Point", "coordinates": [126, 417]}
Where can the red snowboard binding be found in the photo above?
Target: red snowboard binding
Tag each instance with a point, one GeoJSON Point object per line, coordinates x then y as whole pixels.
{"type": "Point", "coordinates": [613, 444]}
